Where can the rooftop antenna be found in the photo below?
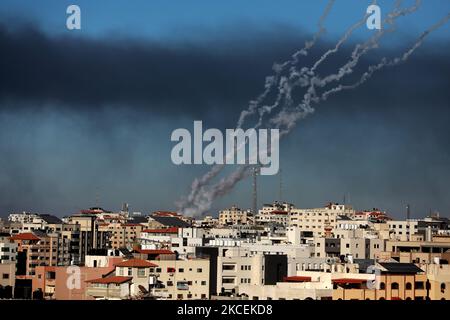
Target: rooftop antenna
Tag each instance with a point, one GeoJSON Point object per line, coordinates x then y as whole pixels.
{"type": "Point", "coordinates": [408, 212]}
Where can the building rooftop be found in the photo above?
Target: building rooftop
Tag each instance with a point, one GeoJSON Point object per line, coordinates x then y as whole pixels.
{"type": "Point", "coordinates": [135, 263]}
{"type": "Point", "coordinates": [165, 230]}
{"type": "Point", "coordinates": [396, 267]}
{"type": "Point", "coordinates": [25, 236]}
{"type": "Point", "coordinates": [50, 219]}
{"type": "Point", "coordinates": [171, 221]}
{"type": "Point", "coordinates": [113, 279]}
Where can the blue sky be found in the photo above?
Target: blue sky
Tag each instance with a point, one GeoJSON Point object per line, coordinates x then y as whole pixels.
{"type": "Point", "coordinates": [171, 19]}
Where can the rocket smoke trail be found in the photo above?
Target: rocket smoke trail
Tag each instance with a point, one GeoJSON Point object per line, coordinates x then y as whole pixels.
{"type": "Point", "coordinates": [270, 82]}
{"type": "Point", "coordinates": [202, 194]}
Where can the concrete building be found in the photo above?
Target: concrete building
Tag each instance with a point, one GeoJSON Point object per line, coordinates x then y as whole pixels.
{"type": "Point", "coordinates": [122, 235]}
{"type": "Point", "coordinates": [8, 274]}
{"type": "Point", "coordinates": [182, 279]}
{"type": "Point", "coordinates": [402, 230]}
{"type": "Point", "coordinates": [396, 281]}
{"type": "Point", "coordinates": [317, 220]}
{"type": "Point", "coordinates": [8, 249]}
{"type": "Point", "coordinates": [292, 288]}
{"type": "Point", "coordinates": [234, 216]}
{"type": "Point", "coordinates": [91, 235]}
{"type": "Point", "coordinates": [40, 249]}
{"type": "Point", "coordinates": [274, 214]}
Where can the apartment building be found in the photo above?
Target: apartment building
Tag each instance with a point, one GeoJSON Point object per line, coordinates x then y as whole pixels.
{"type": "Point", "coordinates": [165, 279]}
{"type": "Point", "coordinates": [396, 281]}
{"type": "Point", "coordinates": [152, 238]}
{"type": "Point", "coordinates": [402, 230]}
{"type": "Point", "coordinates": [91, 235]}
{"type": "Point", "coordinates": [234, 216]}
{"type": "Point", "coordinates": [40, 249]}
{"type": "Point", "coordinates": [234, 270]}
{"type": "Point", "coordinates": [438, 276]}
{"type": "Point", "coordinates": [291, 288]}
{"type": "Point", "coordinates": [320, 221]}
{"type": "Point", "coordinates": [122, 235]}
{"type": "Point", "coordinates": [415, 251]}
{"type": "Point", "coordinates": [182, 279]}
{"type": "Point", "coordinates": [8, 249]}
{"type": "Point", "coordinates": [356, 248]}
{"type": "Point", "coordinates": [7, 274]}
{"type": "Point", "coordinates": [275, 214]}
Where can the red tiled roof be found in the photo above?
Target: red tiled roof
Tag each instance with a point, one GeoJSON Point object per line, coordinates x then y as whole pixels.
{"type": "Point", "coordinates": [155, 251]}
{"type": "Point", "coordinates": [297, 279]}
{"type": "Point", "coordinates": [165, 214]}
{"type": "Point", "coordinates": [131, 224]}
{"type": "Point", "coordinates": [166, 230]}
{"type": "Point", "coordinates": [25, 236]}
{"type": "Point", "coordinates": [349, 280]}
{"type": "Point", "coordinates": [135, 263]}
{"type": "Point", "coordinates": [114, 279]}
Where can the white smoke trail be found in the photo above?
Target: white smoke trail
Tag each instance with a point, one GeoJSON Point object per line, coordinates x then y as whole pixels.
{"type": "Point", "coordinates": [280, 67]}
{"type": "Point", "coordinates": [287, 119]}
{"type": "Point", "coordinates": [198, 184]}
{"type": "Point", "coordinates": [387, 63]}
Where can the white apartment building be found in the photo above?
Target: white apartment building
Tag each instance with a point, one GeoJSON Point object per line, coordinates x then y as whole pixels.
{"type": "Point", "coordinates": [234, 269]}
{"type": "Point", "coordinates": [295, 288]}
{"type": "Point", "coordinates": [402, 230]}
{"type": "Point", "coordinates": [275, 213]}
{"type": "Point", "coordinates": [182, 279]}
{"type": "Point", "coordinates": [186, 241]}
{"type": "Point", "coordinates": [234, 216]}
{"type": "Point", "coordinates": [317, 219]}
{"type": "Point", "coordinates": [8, 249]}
{"type": "Point", "coordinates": [23, 217]}
{"type": "Point", "coordinates": [357, 248]}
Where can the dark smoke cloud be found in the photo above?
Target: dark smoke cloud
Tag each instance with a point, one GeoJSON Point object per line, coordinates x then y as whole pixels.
{"type": "Point", "coordinates": [77, 113]}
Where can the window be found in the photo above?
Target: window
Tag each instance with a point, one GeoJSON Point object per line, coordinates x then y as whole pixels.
{"type": "Point", "coordinates": [158, 270]}
{"type": "Point", "coordinates": [228, 267]}
{"type": "Point", "coordinates": [394, 285]}
{"type": "Point", "coordinates": [382, 286]}
{"type": "Point", "coordinates": [180, 269]}
{"type": "Point", "coordinates": [419, 285]}
{"type": "Point", "coordinates": [5, 276]}
{"type": "Point", "coordinates": [347, 245]}
{"type": "Point", "coordinates": [130, 271]}
{"type": "Point", "coordinates": [442, 286]}
{"type": "Point", "coordinates": [199, 270]}
{"type": "Point", "coordinates": [169, 283]}
{"type": "Point", "coordinates": [228, 280]}
{"type": "Point", "coordinates": [408, 286]}
{"type": "Point", "coordinates": [203, 283]}
{"type": "Point", "coordinates": [141, 272]}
